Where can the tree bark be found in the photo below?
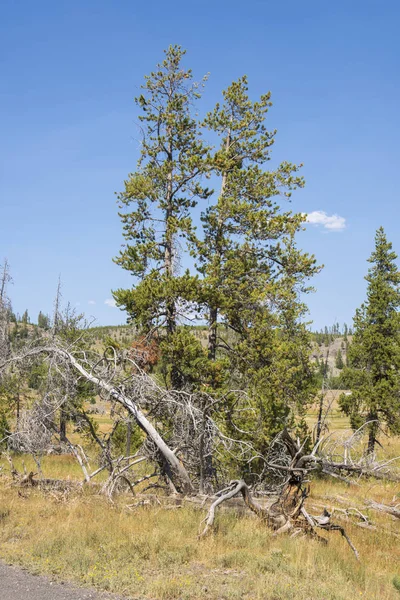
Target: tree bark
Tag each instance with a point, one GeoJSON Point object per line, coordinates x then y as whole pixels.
{"type": "Point", "coordinates": [128, 438]}
{"type": "Point", "coordinates": [372, 432]}
{"type": "Point", "coordinates": [213, 313]}
{"type": "Point", "coordinates": [63, 426]}
{"type": "Point", "coordinates": [212, 333]}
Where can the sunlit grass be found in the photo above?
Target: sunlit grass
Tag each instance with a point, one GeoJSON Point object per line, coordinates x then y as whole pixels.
{"type": "Point", "coordinates": [62, 466]}
{"type": "Point", "coordinates": [154, 552]}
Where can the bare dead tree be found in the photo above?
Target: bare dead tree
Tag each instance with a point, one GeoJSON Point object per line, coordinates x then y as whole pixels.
{"type": "Point", "coordinates": [35, 431]}
{"type": "Point", "coordinates": [56, 312]}
{"type": "Point", "coordinates": [101, 374]}
{"type": "Point", "coordinates": [5, 310]}
{"type": "Point", "coordinates": [345, 453]}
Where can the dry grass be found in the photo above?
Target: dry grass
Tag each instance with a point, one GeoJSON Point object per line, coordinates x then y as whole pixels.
{"type": "Point", "coordinates": [63, 466]}
{"type": "Point", "coordinates": [154, 553]}
{"type": "Point", "coordinates": [338, 422]}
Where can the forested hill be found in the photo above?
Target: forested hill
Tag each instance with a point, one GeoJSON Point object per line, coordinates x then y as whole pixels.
{"type": "Point", "coordinates": [328, 351]}
{"type": "Point", "coordinates": [328, 348]}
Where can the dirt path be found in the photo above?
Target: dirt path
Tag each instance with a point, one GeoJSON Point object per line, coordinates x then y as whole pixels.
{"type": "Point", "coordinates": [18, 584]}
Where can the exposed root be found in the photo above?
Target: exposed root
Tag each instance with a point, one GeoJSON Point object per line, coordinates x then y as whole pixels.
{"type": "Point", "coordinates": [286, 515]}
{"type": "Point", "coordinates": [234, 488]}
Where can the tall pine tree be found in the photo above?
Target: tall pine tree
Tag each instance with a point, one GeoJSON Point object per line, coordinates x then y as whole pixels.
{"type": "Point", "coordinates": [251, 270]}
{"type": "Point", "coordinates": [163, 192]}
{"type": "Point", "coordinates": [373, 374]}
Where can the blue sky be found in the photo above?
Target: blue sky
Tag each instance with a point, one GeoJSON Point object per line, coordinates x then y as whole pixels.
{"type": "Point", "coordinates": [70, 71]}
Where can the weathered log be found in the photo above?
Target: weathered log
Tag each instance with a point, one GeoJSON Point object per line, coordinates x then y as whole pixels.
{"type": "Point", "coordinates": [390, 510]}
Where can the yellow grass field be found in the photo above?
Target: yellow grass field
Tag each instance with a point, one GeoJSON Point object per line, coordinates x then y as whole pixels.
{"type": "Point", "coordinates": [154, 552]}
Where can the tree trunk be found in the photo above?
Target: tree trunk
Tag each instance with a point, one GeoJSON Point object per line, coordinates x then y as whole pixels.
{"type": "Point", "coordinates": [128, 438]}
{"type": "Point", "coordinates": [169, 240]}
{"type": "Point", "coordinates": [372, 432]}
{"type": "Point", "coordinates": [213, 314]}
{"type": "Point", "coordinates": [168, 258]}
{"type": "Point", "coordinates": [63, 426]}
{"type": "Point", "coordinates": [206, 468]}
{"type": "Point", "coordinates": [18, 408]}
{"type": "Point", "coordinates": [320, 411]}
{"type": "Point", "coordinates": [176, 380]}
{"type": "Point", "coordinates": [212, 333]}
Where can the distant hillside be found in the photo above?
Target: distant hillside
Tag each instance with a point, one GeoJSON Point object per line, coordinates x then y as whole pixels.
{"type": "Point", "coordinates": [122, 334]}
{"type": "Point", "coordinates": [325, 348]}
{"type": "Point", "coordinates": [327, 353]}
{"type": "Point", "coordinates": [125, 334]}
{"type": "Point", "coordinates": [322, 351]}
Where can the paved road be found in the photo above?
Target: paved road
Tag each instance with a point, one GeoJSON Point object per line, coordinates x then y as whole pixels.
{"type": "Point", "coordinates": [18, 584]}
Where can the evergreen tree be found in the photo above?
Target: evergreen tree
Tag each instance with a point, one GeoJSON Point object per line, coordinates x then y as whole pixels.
{"type": "Point", "coordinates": [374, 354]}
{"type": "Point", "coordinates": [251, 268]}
{"type": "Point", "coordinates": [339, 364]}
{"type": "Point", "coordinates": [163, 191]}
{"type": "Point", "coordinates": [243, 231]}
{"type": "Point", "coordinates": [43, 321]}
{"type": "Point", "coordinates": [251, 273]}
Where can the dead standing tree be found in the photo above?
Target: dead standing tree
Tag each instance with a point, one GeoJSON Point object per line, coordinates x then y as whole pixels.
{"type": "Point", "coordinates": [5, 311]}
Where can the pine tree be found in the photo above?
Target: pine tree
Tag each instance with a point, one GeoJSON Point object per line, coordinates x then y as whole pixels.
{"type": "Point", "coordinates": [251, 268]}
{"type": "Point", "coordinates": [163, 191]}
{"type": "Point", "coordinates": [43, 321]}
{"type": "Point", "coordinates": [250, 272]}
{"type": "Point", "coordinates": [339, 364]}
{"type": "Point", "coordinates": [374, 354]}
{"type": "Point", "coordinates": [244, 192]}
{"type": "Point", "coordinates": [246, 234]}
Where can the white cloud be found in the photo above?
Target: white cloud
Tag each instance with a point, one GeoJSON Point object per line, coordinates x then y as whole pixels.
{"type": "Point", "coordinates": [110, 302]}
{"type": "Point", "coordinates": [91, 302]}
{"type": "Point", "coordinates": [329, 222]}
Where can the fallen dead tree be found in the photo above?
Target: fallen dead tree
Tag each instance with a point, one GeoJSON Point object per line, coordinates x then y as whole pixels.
{"type": "Point", "coordinates": [394, 511]}
{"type": "Point", "coordinates": [287, 513]}
{"type": "Point", "coordinates": [344, 455]}
{"type": "Point", "coordinates": [173, 466]}
{"type": "Point", "coordinates": [195, 442]}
